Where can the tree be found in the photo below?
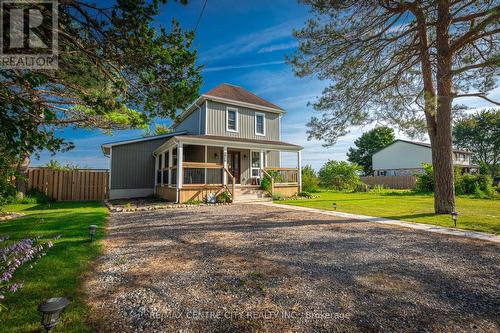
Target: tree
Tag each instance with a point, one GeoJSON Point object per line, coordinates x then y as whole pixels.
{"type": "Point", "coordinates": [309, 179]}
{"type": "Point", "coordinates": [403, 63]}
{"type": "Point", "coordinates": [480, 134]}
{"type": "Point", "coordinates": [367, 144]}
{"type": "Point", "coordinates": [55, 165]}
{"type": "Point", "coordinates": [116, 71]}
{"type": "Point", "coordinates": [339, 175]}
{"type": "Point", "coordinates": [158, 130]}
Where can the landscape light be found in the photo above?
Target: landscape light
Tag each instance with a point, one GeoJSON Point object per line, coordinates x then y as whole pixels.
{"type": "Point", "coordinates": [51, 310]}
{"type": "Point", "coordinates": [454, 216]}
{"type": "Point", "coordinates": [334, 206]}
{"type": "Point", "coordinates": [92, 229]}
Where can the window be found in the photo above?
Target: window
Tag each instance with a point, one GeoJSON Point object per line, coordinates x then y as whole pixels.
{"type": "Point", "coordinates": [255, 162]}
{"type": "Point", "coordinates": [260, 125]}
{"type": "Point", "coordinates": [232, 120]}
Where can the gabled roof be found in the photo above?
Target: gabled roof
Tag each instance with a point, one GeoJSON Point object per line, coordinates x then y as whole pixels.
{"type": "Point", "coordinates": [231, 94]}
{"type": "Point", "coordinates": [235, 93]}
{"type": "Point", "coordinates": [105, 147]}
{"type": "Point", "coordinates": [422, 144]}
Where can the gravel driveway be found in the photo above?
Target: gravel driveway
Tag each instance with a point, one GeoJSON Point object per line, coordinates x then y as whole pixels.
{"type": "Point", "coordinates": [254, 268]}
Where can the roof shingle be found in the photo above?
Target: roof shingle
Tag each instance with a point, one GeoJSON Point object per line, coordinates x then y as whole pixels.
{"type": "Point", "coordinates": [228, 91]}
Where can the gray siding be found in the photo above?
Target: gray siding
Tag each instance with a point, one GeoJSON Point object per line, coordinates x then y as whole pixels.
{"type": "Point", "coordinates": [133, 165]}
{"type": "Point", "coordinates": [203, 113]}
{"type": "Point", "coordinates": [273, 159]}
{"type": "Point", "coordinates": [216, 114]}
{"type": "Point", "coordinates": [191, 124]}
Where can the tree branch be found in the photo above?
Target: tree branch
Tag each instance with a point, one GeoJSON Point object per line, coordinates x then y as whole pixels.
{"type": "Point", "coordinates": [480, 95]}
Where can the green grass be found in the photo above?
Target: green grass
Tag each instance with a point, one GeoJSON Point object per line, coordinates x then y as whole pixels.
{"type": "Point", "coordinates": [474, 214]}
{"type": "Point", "coordinates": [60, 272]}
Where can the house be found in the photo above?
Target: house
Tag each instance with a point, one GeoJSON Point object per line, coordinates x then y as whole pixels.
{"type": "Point", "coordinates": [405, 158]}
{"type": "Point", "coordinates": [225, 141]}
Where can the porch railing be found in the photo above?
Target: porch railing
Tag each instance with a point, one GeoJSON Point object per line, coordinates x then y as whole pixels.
{"type": "Point", "coordinates": [281, 176]}
{"type": "Point", "coordinates": [208, 174]}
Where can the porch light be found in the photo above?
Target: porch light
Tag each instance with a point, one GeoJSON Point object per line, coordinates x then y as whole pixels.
{"type": "Point", "coordinates": [454, 216]}
{"type": "Point", "coordinates": [334, 206]}
{"type": "Point", "coordinates": [92, 229]}
{"type": "Point", "coordinates": [51, 310]}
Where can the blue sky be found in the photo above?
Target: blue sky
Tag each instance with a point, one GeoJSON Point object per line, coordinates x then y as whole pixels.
{"type": "Point", "coordinates": [243, 43]}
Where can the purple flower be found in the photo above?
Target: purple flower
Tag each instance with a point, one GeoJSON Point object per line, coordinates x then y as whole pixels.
{"type": "Point", "coordinates": [15, 287]}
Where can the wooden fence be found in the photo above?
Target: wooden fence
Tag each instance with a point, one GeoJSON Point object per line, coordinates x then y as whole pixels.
{"type": "Point", "coordinates": [395, 182]}
{"type": "Point", "coordinates": [74, 185]}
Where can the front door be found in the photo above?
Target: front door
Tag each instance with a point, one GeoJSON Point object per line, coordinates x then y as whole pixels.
{"type": "Point", "coordinates": [234, 164]}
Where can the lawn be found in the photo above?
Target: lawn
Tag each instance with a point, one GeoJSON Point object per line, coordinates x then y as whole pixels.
{"type": "Point", "coordinates": [59, 273]}
{"type": "Point", "coordinates": [474, 214]}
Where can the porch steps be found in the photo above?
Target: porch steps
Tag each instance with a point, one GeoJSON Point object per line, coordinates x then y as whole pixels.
{"type": "Point", "coordinates": [251, 194]}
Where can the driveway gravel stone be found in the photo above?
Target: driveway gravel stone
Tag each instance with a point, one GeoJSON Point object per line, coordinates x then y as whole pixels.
{"type": "Point", "coordinates": [256, 268]}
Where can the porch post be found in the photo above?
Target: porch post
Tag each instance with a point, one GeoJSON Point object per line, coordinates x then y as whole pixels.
{"type": "Point", "coordinates": [170, 159]}
{"type": "Point", "coordinates": [206, 163]}
{"type": "Point", "coordinates": [180, 172]}
{"type": "Point", "coordinates": [162, 166]}
{"type": "Point", "coordinates": [156, 172]}
{"type": "Point", "coordinates": [261, 162]}
{"type": "Point", "coordinates": [224, 162]}
{"type": "Point", "coordinates": [299, 174]}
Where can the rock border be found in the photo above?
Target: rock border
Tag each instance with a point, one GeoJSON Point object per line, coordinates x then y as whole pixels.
{"type": "Point", "coordinates": [117, 209]}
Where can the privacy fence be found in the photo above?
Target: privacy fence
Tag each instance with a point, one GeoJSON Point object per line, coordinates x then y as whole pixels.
{"type": "Point", "coordinates": [74, 185]}
{"type": "Point", "coordinates": [395, 182]}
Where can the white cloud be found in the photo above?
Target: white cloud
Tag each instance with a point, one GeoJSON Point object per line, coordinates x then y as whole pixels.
{"type": "Point", "coordinates": [250, 42]}
{"type": "Point", "coordinates": [278, 47]}
{"type": "Point", "coordinates": [223, 68]}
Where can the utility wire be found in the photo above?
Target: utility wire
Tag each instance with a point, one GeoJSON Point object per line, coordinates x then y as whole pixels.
{"type": "Point", "coordinates": [201, 14]}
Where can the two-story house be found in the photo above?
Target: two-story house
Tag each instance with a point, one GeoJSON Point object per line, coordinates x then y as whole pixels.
{"type": "Point", "coordinates": [226, 140]}
{"type": "Point", "coordinates": [405, 158]}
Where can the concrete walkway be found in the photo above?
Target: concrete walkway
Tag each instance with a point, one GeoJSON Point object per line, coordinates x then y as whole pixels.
{"type": "Point", "coordinates": [382, 220]}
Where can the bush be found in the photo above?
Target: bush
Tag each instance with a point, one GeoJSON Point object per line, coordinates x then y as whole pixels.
{"type": "Point", "coordinates": [7, 191]}
{"type": "Point", "coordinates": [425, 180]}
{"type": "Point", "coordinates": [224, 197]}
{"type": "Point", "coordinates": [34, 196]}
{"type": "Point", "coordinates": [362, 187]}
{"type": "Point", "coordinates": [304, 194]}
{"type": "Point", "coordinates": [310, 180]}
{"type": "Point", "coordinates": [278, 196]}
{"type": "Point", "coordinates": [378, 188]}
{"type": "Point", "coordinates": [339, 176]}
{"type": "Point", "coordinates": [479, 185]}
{"type": "Point", "coordinates": [265, 183]}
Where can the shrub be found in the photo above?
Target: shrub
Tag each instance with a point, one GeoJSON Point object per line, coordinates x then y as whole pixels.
{"type": "Point", "coordinates": [310, 180]}
{"type": "Point", "coordinates": [362, 187]}
{"type": "Point", "coordinates": [339, 175]}
{"type": "Point", "coordinates": [478, 185]}
{"type": "Point", "coordinates": [304, 194]}
{"type": "Point", "coordinates": [34, 196]}
{"type": "Point", "coordinates": [224, 197]}
{"type": "Point", "coordinates": [425, 180]}
{"type": "Point", "coordinates": [378, 188]}
{"type": "Point", "coordinates": [278, 196]}
{"type": "Point", "coordinates": [265, 183]}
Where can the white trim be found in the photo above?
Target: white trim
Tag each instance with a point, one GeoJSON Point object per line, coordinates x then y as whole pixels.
{"type": "Point", "coordinates": [252, 167]}
{"type": "Point", "coordinates": [206, 117]}
{"type": "Point", "coordinates": [231, 144]}
{"type": "Point", "coordinates": [263, 123]}
{"type": "Point", "coordinates": [180, 171]}
{"type": "Point", "coordinates": [299, 166]}
{"type": "Point", "coordinates": [229, 108]}
{"type": "Point", "coordinates": [224, 162]}
{"type": "Point", "coordinates": [110, 168]}
{"type": "Point", "coordinates": [170, 160]}
{"type": "Point", "coordinates": [244, 104]}
{"type": "Point", "coordinates": [119, 143]}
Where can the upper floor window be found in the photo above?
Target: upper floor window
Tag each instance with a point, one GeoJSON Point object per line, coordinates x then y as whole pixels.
{"type": "Point", "coordinates": [260, 125]}
{"type": "Point", "coordinates": [232, 120]}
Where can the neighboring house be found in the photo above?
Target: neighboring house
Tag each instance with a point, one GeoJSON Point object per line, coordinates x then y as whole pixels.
{"type": "Point", "coordinates": [405, 158]}
{"type": "Point", "coordinates": [226, 140]}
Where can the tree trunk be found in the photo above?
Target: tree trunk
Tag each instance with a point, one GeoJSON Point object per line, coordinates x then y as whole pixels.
{"type": "Point", "coordinates": [22, 175]}
{"type": "Point", "coordinates": [441, 139]}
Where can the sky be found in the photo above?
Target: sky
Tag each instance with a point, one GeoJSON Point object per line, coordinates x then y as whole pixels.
{"type": "Point", "coordinates": [242, 43]}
